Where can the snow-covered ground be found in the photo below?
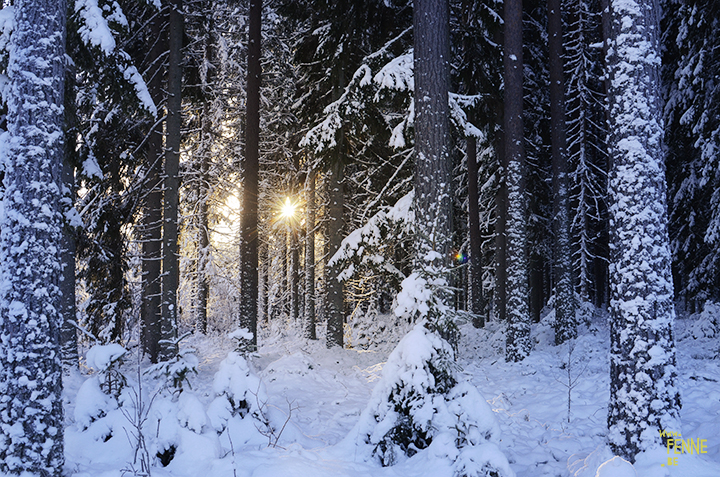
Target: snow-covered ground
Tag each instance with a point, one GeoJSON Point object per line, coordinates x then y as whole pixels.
{"type": "Point", "coordinates": [318, 396]}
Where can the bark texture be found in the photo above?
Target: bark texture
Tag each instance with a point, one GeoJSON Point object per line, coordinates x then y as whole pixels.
{"type": "Point", "coordinates": [249, 221]}
{"type": "Point", "coordinates": [31, 411]}
{"type": "Point", "coordinates": [517, 308]}
{"type": "Point", "coordinates": [644, 398]}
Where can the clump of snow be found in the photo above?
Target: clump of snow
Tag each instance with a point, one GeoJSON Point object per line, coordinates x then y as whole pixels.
{"type": "Point", "coordinates": [91, 168]}
{"type": "Point", "coordinates": [131, 74]}
{"type": "Point", "coordinates": [241, 334]}
{"type": "Point", "coordinates": [91, 403]}
{"type": "Point", "coordinates": [102, 357]}
{"type": "Point", "coordinates": [7, 24]}
{"type": "Point", "coordinates": [94, 29]}
{"type": "Point", "coordinates": [616, 467]}
{"type": "Point", "coordinates": [396, 75]}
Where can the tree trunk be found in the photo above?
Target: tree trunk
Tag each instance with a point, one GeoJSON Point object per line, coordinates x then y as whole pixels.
{"type": "Point", "coordinates": [477, 303]}
{"type": "Point", "coordinates": [294, 274]}
{"type": "Point", "coordinates": [432, 128]}
{"type": "Point", "coordinates": [249, 221]}
{"type": "Point", "coordinates": [31, 410]}
{"type": "Point", "coordinates": [151, 230]}
{"type": "Point", "coordinates": [206, 140]}
{"type": "Point", "coordinates": [500, 298]}
{"type": "Point", "coordinates": [264, 279]}
{"type": "Point", "coordinates": [203, 238]}
{"type": "Point", "coordinates": [310, 258]}
{"type": "Point", "coordinates": [69, 331]}
{"type": "Point", "coordinates": [335, 303]}
{"type": "Point", "coordinates": [518, 316]}
{"type": "Point", "coordinates": [171, 271]}
{"type": "Point", "coordinates": [565, 326]}
{"type": "Point", "coordinates": [644, 398]}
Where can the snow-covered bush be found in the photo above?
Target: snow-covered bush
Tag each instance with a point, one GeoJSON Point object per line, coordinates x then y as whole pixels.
{"type": "Point", "coordinates": [239, 392]}
{"type": "Point", "coordinates": [706, 324]}
{"type": "Point", "coordinates": [106, 360]}
{"type": "Point", "coordinates": [176, 370]}
{"type": "Point", "coordinates": [420, 401]}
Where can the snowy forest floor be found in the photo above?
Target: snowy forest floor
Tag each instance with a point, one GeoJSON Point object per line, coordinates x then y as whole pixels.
{"type": "Point", "coordinates": [321, 394]}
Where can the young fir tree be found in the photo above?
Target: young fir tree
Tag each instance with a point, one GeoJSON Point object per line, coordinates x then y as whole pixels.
{"type": "Point", "coordinates": [31, 413]}
{"type": "Point", "coordinates": [643, 396]}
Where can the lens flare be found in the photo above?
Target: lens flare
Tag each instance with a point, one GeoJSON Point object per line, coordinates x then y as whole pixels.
{"type": "Point", "coordinates": [289, 209]}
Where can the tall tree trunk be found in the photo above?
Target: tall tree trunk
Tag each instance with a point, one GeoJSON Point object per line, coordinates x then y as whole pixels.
{"type": "Point", "coordinates": [293, 279]}
{"type": "Point", "coordinates": [518, 316]}
{"type": "Point", "coordinates": [335, 303]}
{"type": "Point", "coordinates": [310, 257]}
{"type": "Point", "coordinates": [477, 304]}
{"type": "Point", "coordinates": [644, 398]}
{"type": "Point", "coordinates": [501, 209]}
{"type": "Point", "coordinates": [69, 331]}
{"type": "Point", "coordinates": [249, 221]}
{"type": "Point", "coordinates": [432, 180]}
{"type": "Point", "coordinates": [171, 270]}
{"type": "Point", "coordinates": [203, 238]}
{"type": "Point", "coordinates": [565, 326]}
{"type": "Point", "coordinates": [264, 278]}
{"type": "Point", "coordinates": [31, 410]}
{"type": "Point", "coordinates": [206, 140]}
{"type": "Point", "coordinates": [151, 231]}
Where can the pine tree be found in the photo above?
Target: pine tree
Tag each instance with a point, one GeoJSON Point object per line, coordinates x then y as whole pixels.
{"type": "Point", "coordinates": [112, 109]}
{"type": "Point", "coordinates": [643, 396]}
{"type": "Point", "coordinates": [31, 412]}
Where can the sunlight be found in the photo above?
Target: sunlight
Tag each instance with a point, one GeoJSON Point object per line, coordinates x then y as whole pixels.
{"type": "Point", "coordinates": [227, 227]}
{"type": "Point", "coordinates": [289, 209]}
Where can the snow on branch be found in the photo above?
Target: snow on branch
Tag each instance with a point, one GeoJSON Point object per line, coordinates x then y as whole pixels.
{"type": "Point", "coordinates": [98, 27]}
{"type": "Point", "coordinates": [94, 29]}
{"type": "Point", "coordinates": [362, 245]}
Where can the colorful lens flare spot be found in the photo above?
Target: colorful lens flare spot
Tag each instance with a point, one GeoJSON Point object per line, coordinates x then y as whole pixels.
{"type": "Point", "coordinates": [461, 257]}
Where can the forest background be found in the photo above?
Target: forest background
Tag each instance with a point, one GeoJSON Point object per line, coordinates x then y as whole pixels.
{"type": "Point", "coordinates": [335, 154]}
{"type": "Point", "coordinates": [164, 176]}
